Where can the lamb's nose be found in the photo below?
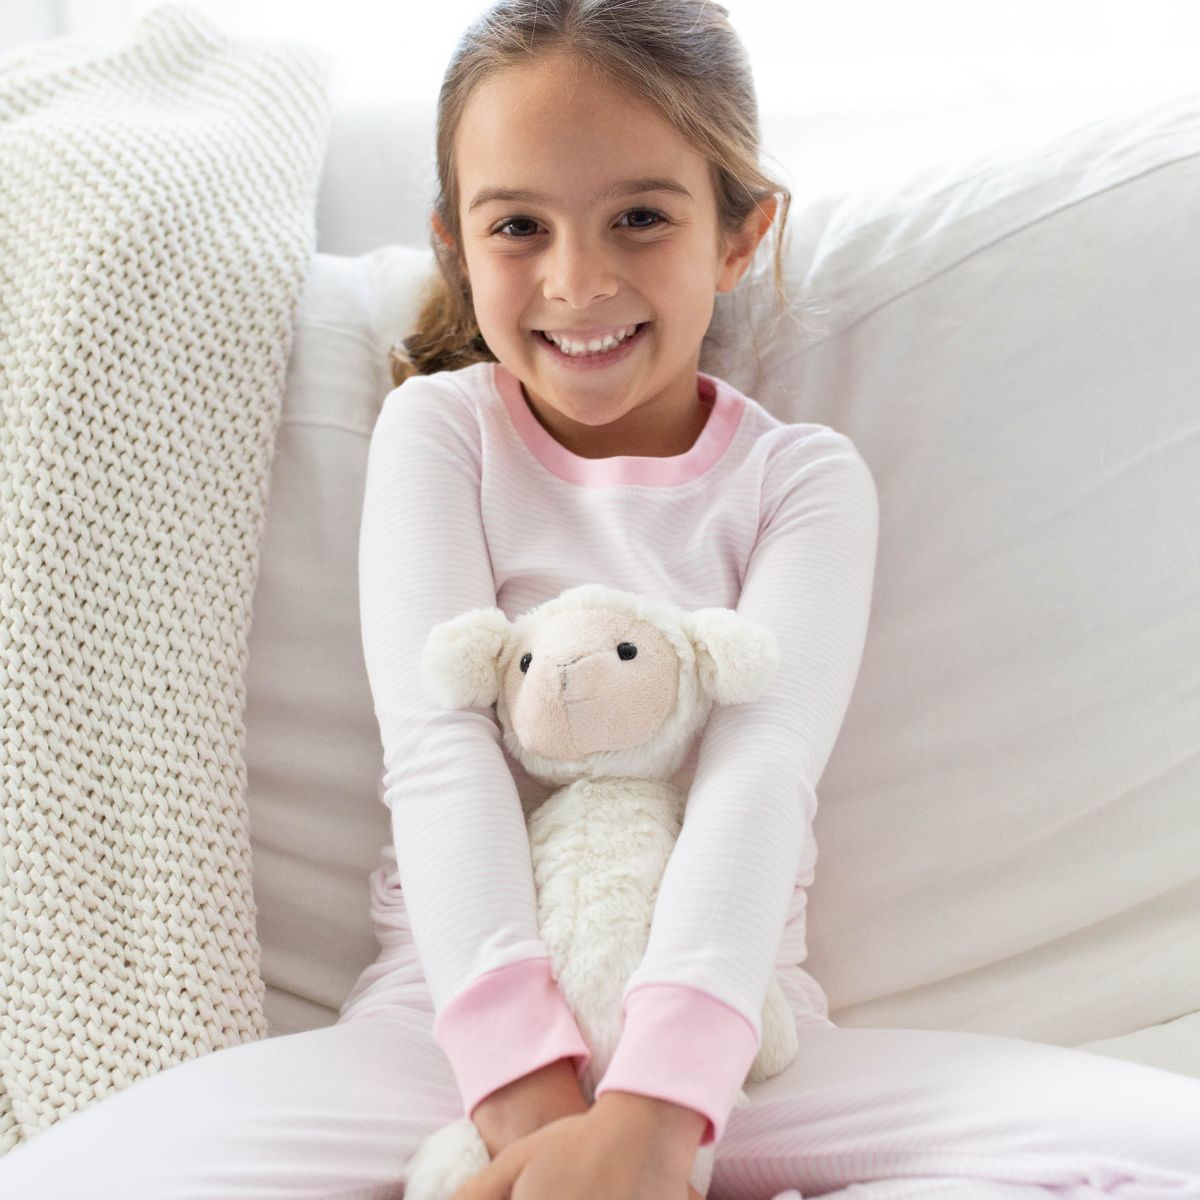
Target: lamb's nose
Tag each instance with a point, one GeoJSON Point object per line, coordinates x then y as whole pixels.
{"type": "Point", "coordinates": [562, 668]}
{"type": "Point", "coordinates": [563, 676]}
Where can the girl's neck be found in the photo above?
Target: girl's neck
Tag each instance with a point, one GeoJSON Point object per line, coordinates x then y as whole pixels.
{"type": "Point", "coordinates": [641, 433]}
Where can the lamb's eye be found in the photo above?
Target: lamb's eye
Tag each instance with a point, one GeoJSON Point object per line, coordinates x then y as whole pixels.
{"type": "Point", "coordinates": [627, 650]}
{"type": "Point", "coordinates": [526, 659]}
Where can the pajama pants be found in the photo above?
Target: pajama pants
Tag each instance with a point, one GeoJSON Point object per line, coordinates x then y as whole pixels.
{"type": "Point", "coordinates": [861, 1114]}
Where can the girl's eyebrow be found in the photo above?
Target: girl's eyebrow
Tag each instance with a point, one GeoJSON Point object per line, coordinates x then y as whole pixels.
{"type": "Point", "coordinates": [626, 187]}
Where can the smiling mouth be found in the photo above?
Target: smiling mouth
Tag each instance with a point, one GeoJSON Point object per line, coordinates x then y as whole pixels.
{"type": "Point", "coordinates": [592, 356]}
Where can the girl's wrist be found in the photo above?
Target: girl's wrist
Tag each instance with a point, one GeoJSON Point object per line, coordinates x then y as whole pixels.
{"type": "Point", "coordinates": [663, 1125]}
{"type": "Point", "coordinates": [527, 1103]}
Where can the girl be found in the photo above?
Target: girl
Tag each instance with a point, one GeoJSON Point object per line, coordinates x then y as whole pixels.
{"type": "Point", "coordinates": [599, 186]}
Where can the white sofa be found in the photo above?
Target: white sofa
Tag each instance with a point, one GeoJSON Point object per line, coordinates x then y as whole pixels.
{"type": "Point", "coordinates": [1009, 826]}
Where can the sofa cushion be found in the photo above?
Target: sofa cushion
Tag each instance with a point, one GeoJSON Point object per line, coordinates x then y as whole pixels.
{"type": "Point", "coordinates": [1008, 835]}
{"type": "Point", "coordinates": [1008, 832]}
{"type": "Point", "coordinates": [312, 745]}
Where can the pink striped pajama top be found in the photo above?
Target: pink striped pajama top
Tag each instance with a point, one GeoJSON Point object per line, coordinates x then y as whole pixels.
{"type": "Point", "coordinates": [470, 502]}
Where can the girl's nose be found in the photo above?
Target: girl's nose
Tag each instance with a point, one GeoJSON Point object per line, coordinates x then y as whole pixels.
{"type": "Point", "coordinates": [578, 274]}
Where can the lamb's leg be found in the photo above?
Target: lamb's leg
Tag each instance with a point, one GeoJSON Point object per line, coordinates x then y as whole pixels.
{"type": "Point", "coordinates": [780, 1044]}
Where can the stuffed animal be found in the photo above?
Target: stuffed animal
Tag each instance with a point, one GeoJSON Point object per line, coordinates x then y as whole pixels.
{"type": "Point", "coordinates": [600, 692]}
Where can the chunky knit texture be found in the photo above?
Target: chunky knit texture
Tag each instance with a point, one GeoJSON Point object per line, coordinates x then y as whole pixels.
{"type": "Point", "coordinates": [157, 203]}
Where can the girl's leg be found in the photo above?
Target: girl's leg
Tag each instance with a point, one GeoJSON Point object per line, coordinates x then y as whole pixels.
{"type": "Point", "coordinates": [332, 1113]}
{"type": "Point", "coordinates": [910, 1114]}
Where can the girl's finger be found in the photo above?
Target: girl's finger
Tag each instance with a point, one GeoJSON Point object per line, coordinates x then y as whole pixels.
{"type": "Point", "coordinates": [495, 1181]}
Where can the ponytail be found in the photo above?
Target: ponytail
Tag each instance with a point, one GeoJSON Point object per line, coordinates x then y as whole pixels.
{"type": "Point", "coordinates": [446, 336]}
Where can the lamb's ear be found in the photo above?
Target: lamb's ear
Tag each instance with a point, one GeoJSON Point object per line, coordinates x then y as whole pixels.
{"type": "Point", "coordinates": [736, 658]}
{"type": "Point", "coordinates": [461, 656]}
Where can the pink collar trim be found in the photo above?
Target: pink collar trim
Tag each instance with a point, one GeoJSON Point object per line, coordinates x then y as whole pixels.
{"type": "Point", "coordinates": [728, 404]}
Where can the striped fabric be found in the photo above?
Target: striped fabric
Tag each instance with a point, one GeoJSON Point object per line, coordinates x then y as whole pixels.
{"type": "Point", "coordinates": [470, 503]}
{"type": "Point", "coordinates": [862, 1114]}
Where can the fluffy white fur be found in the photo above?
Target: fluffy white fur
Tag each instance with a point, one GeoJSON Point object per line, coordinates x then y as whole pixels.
{"type": "Point", "coordinates": [611, 727]}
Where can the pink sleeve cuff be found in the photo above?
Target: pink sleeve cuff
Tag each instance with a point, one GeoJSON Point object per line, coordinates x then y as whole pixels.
{"type": "Point", "coordinates": [506, 1023]}
{"type": "Point", "coordinates": [681, 1044]}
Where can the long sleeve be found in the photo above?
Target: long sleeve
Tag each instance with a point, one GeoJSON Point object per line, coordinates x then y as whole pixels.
{"type": "Point", "coordinates": [462, 849]}
{"type": "Point", "coordinates": [693, 1007]}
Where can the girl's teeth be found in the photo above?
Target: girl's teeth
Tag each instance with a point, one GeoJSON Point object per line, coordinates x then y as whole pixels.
{"type": "Point", "coordinates": [595, 344]}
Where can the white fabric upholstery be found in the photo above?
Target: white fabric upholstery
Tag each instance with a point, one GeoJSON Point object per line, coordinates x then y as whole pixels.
{"type": "Point", "coordinates": [1009, 838]}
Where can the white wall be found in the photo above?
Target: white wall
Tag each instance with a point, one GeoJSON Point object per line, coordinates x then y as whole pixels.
{"type": "Point", "coordinates": [851, 91]}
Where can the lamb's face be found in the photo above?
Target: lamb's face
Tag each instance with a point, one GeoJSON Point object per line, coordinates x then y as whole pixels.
{"type": "Point", "coordinates": [586, 681]}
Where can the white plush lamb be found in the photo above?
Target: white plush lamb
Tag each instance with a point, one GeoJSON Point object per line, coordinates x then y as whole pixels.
{"type": "Point", "coordinates": [601, 692]}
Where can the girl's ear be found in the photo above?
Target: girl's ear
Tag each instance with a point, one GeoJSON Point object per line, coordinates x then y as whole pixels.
{"type": "Point", "coordinates": [460, 662]}
{"type": "Point", "coordinates": [736, 658]}
{"type": "Point", "coordinates": [443, 235]}
{"type": "Point", "coordinates": [440, 230]}
{"type": "Point", "coordinates": [740, 246]}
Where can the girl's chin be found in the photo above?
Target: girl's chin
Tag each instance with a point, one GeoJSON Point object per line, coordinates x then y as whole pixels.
{"type": "Point", "coordinates": [602, 409]}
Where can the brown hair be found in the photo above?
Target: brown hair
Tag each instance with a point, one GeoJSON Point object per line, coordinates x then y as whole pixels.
{"type": "Point", "coordinates": [682, 56]}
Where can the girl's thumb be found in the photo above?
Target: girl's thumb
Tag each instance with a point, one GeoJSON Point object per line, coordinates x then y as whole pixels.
{"type": "Point", "coordinates": [495, 1181]}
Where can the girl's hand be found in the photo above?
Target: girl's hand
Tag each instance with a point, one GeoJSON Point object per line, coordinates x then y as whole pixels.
{"type": "Point", "coordinates": [525, 1105]}
{"type": "Point", "coordinates": [585, 1157]}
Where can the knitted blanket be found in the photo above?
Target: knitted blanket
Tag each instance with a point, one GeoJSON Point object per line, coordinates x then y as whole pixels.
{"type": "Point", "coordinates": [157, 216]}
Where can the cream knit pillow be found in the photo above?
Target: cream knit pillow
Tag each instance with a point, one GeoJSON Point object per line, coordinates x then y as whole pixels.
{"type": "Point", "coordinates": [156, 220]}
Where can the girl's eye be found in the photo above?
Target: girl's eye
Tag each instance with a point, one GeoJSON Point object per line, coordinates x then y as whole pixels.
{"type": "Point", "coordinates": [514, 221]}
{"type": "Point", "coordinates": [656, 218]}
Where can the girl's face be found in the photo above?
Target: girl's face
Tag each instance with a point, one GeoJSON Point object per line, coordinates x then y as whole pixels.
{"type": "Point", "coordinates": [609, 221]}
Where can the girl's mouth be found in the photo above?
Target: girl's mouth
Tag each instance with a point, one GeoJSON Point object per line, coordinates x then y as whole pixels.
{"type": "Point", "coordinates": [600, 358]}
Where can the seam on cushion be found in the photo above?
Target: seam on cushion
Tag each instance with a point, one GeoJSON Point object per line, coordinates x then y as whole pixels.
{"type": "Point", "coordinates": [303, 322]}
{"type": "Point", "coordinates": [326, 423]}
{"type": "Point", "coordinates": [854, 317]}
{"type": "Point", "coordinates": [1003, 159]}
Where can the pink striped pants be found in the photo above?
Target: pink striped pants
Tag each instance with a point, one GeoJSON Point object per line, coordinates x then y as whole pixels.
{"type": "Point", "coordinates": [862, 1114]}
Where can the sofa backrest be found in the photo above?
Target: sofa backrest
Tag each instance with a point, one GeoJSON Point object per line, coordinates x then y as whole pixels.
{"type": "Point", "coordinates": [1009, 840]}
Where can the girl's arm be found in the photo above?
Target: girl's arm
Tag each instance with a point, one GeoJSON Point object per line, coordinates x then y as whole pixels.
{"type": "Point", "coordinates": [460, 837]}
{"type": "Point", "coordinates": [725, 893]}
